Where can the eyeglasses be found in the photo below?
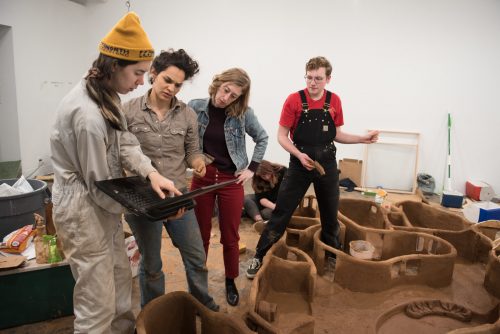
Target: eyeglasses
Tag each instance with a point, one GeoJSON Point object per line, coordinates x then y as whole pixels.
{"type": "Point", "coordinates": [315, 79]}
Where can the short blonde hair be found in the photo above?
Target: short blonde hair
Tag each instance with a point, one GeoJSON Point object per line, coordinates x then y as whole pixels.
{"type": "Point", "coordinates": [238, 77]}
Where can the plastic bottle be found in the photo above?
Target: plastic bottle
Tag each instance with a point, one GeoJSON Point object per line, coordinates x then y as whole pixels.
{"type": "Point", "coordinates": [41, 249]}
{"type": "Point", "coordinates": [54, 255]}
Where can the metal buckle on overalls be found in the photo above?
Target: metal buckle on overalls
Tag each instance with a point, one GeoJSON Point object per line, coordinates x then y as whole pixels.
{"type": "Point", "coordinates": [326, 108]}
{"type": "Point", "coordinates": [305, 107]}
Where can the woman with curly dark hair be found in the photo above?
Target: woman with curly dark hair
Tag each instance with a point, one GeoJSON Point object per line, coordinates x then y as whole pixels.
{"type": "Point", "coordinates": [168, 132]}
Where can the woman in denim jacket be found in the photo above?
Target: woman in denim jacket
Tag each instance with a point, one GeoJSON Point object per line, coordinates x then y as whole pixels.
{"type": "Point", "coordinates": [224, 118]}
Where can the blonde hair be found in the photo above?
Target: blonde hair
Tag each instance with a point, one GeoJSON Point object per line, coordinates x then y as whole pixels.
{"type": "Point", "coordinates": [238, 77]}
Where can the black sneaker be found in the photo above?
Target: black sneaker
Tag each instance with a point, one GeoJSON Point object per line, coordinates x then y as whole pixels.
{"type": "Point", "coordinates": [253, 267]}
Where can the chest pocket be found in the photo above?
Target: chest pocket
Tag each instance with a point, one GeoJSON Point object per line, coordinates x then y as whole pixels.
{"type": "Point", "coordinates": [180, 132]}
{"type": "Point", "coordinates": [173, 139]}
{"type": "Point", "coordinates": [144, 134]}
{"type": "Point", "coordinates": [238, 132]}
{"type": "Point", "coordinates": [140, 128]}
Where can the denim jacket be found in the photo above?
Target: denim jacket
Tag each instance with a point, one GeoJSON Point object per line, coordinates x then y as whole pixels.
{"type": "Point", "coordinates": [234, 130]}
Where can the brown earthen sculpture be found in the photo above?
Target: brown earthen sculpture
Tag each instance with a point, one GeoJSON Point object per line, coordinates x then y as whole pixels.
{"type": "Point", "coordinates": [404, 254]}
{"type": "Point", "coordinates": [308, 207]}
{"type": "Point", "coordinates": [300, 232]}
{"type": "Point", "coordinates": [175, 313]}
{"type": "Point", "coordinates": [420, 309]}
{"type": "Point", "coordinates": [282, 292]}
{"type": "Point", "coordinates": [440, 317]}
{"type": "Point", "coordinates": [492, 277]}
{"type": "Point", "coordinates": [491, 230]}
{"type": "Point", "coordinates": [399, 258]}
{"type": "Point", "coordinates": [421, 217]}
{"type": "Point", "coordinates": [364, 213]}
{"type": "Point", "coordinates": [474, 242]}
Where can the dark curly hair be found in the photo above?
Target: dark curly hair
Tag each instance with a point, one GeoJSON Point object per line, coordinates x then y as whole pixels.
{"type": "Point", "coordinates": [179, 59]}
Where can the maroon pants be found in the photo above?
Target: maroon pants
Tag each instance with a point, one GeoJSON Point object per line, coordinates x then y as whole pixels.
{"type": "Point", "coordinates": [230, 203]}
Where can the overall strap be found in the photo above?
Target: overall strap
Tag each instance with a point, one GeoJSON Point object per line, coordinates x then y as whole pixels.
{"type": "Point", "coordinates": [326, 107]}
{"type": "Point", "coordinates": [305, 106]}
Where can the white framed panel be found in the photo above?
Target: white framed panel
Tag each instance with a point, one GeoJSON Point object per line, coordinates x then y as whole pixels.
{"type": "Point", "coordinates": [391, 163]}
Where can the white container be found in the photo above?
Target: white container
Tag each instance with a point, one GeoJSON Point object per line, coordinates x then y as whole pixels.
{"type": "Point", "coordinates": [477, 212]}
{"type": "Point", "coordinates": [361, 249]}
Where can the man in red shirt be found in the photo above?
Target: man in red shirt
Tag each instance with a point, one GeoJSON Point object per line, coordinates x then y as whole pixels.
{"type": "Point", "coordinates": [310, 123]}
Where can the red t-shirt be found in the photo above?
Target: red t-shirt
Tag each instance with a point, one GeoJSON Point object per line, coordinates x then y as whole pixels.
{"type": "Point", "coordinates": [292, 109]}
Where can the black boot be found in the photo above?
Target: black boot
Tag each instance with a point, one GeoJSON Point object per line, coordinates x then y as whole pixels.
{"type": "Point", "coordinates": [232, 295]}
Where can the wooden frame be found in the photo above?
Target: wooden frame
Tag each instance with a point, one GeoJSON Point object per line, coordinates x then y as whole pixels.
{"type": "Point", "coordinates": [391, 163]}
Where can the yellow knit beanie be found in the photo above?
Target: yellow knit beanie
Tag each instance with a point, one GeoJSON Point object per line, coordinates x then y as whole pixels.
{"type": "Point", "coordinates": [127, 40]}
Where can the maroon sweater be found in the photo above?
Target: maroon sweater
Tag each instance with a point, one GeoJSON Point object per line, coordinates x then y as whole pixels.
{"type": "Point", "coordinates": [214, 141]}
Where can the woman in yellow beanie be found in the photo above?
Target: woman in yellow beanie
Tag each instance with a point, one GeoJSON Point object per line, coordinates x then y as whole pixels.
{"type": "Point", "coordinates": [90, 142]}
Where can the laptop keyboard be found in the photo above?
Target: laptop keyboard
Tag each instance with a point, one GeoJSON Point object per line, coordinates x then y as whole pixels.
{"type": "Point", "coordinates": [143, 199]}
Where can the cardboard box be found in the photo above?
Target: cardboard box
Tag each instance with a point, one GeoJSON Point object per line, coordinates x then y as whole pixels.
{"type": "Point", "coordinates": [481, 211]}
{"type": "Point", "coordinates": [352, 169]}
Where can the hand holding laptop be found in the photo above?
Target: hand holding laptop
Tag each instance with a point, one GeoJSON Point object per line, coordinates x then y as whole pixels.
{"type": "Point", "coordinates": [178, 215]}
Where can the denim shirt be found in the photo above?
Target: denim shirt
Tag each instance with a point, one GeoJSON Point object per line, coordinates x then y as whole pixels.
{"type": "Point", "coordinates": [234, 131]}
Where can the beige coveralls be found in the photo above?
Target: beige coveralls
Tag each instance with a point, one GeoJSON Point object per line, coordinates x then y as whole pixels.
{"type": "Point", "coordinates": [85, 149]}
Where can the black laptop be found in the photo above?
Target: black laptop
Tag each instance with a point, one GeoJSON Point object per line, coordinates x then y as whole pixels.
{"type": "Point", "coordinates": [137, 196]}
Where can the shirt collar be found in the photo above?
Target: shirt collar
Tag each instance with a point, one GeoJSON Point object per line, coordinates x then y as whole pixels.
{"type": "Point", "coordinates": [146, 106]}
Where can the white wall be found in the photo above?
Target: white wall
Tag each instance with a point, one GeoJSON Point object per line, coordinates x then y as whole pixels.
{"type": "Point", "coordinates": [9, 126]}
{"type": "Point", "coordinates": [398, 65]}
{"type": "Point", "coordinates": [50, 55]}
